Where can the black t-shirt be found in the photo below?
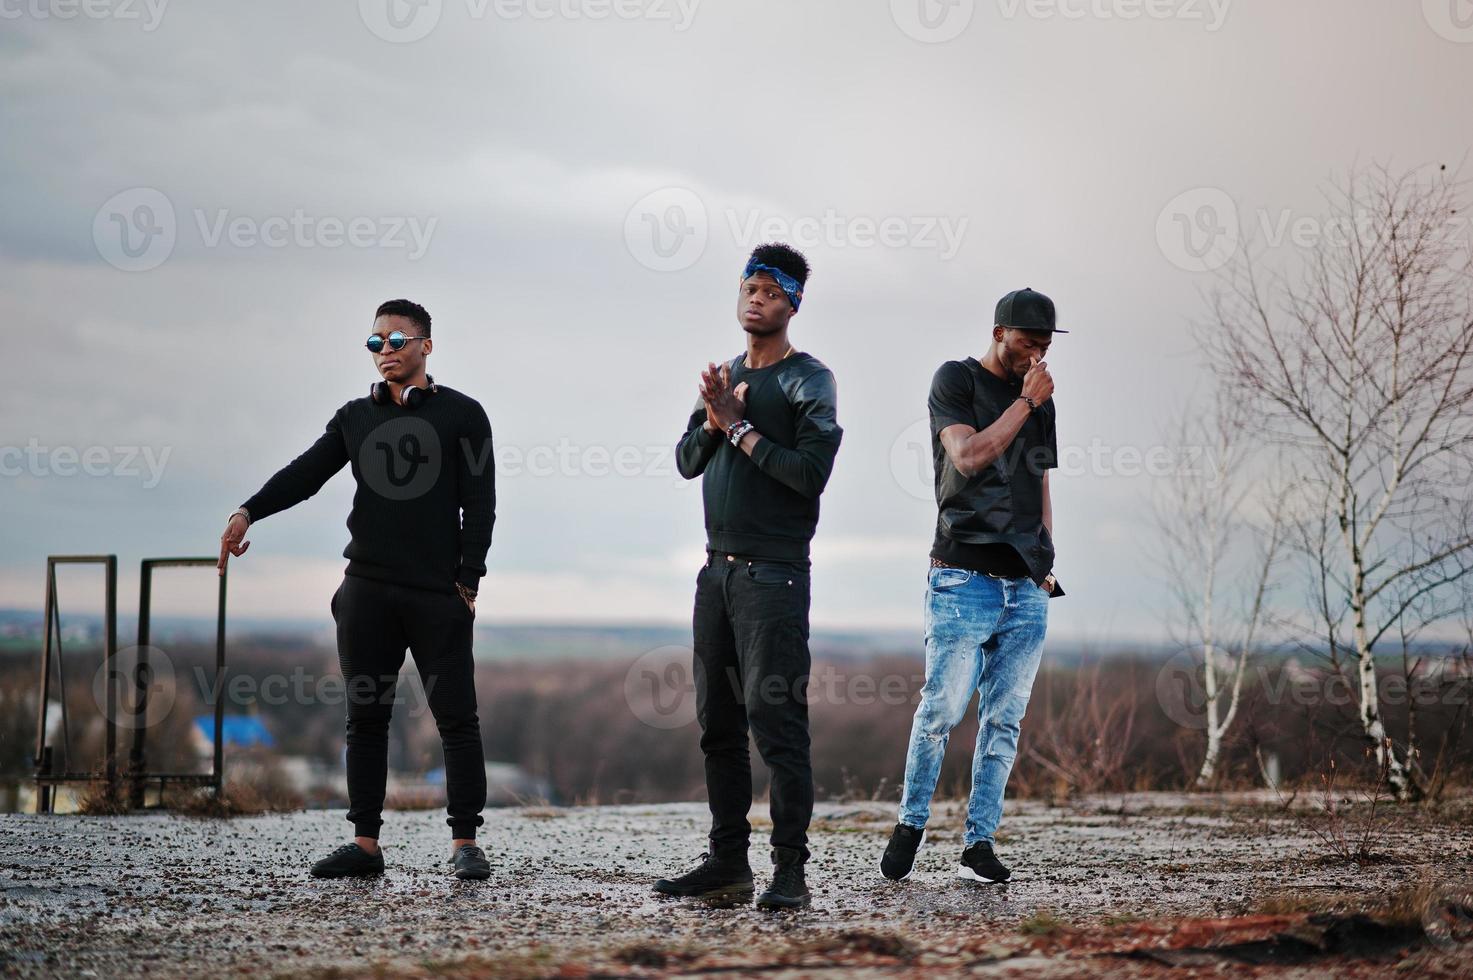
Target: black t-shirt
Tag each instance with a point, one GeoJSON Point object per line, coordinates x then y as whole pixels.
{"type": "Point", "coordinates": [993, 521]}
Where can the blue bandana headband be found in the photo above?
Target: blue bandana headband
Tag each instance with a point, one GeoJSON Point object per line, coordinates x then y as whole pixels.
{"type": "Point", "coordinates": [791, 286]}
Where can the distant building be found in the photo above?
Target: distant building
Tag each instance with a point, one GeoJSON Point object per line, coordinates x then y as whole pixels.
{"type": "Point", "coordinates": [238, 732]}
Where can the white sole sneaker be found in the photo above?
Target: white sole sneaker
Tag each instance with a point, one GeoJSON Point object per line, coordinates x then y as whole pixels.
{"type": "Point", "coordinates": [962, 871]}
{"type": "Point", "coordinates": [919, 844]}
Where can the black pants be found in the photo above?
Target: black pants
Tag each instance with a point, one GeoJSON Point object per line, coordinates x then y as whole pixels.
{"type": "Point", "coordinates": [376, 621]}
{"type": "Point", "coordinates": [751, 671]}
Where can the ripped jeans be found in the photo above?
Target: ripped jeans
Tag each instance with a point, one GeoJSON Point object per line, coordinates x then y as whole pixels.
{"type": "Point", "coordinates": [983, 634]}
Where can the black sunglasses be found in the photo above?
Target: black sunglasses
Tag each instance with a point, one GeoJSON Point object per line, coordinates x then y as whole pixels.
{"type": "Point", "coordinates": [397, 341]}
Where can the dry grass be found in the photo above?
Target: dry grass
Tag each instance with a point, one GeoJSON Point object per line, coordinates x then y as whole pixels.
{"type": "Point", "coordinates": [543, 813]}
{"type": "Point", "coordinates": [103, 799]}
{"type": "Point", "coordinates": [1351, 831]}
{"type": "Point", "coordinates": [240, 798]}
{"type": "Point", "coordinates": [1083, 742]}
{"type": "Point", "coordinates": [1405, 906]}
{"type": "Point", "coordinates": [1041, 923]}
{"type": "Point", "coordinates": [255, 789]}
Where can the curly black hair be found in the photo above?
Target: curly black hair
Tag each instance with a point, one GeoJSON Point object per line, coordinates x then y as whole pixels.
{"type": "Point", "coordinates": [783, 257]}
{"type": "Point", "coordinates": [416, 314]}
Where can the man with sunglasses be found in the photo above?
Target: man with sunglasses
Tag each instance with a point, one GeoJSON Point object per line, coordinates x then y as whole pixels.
{"type": "Point", "coordinates": [420, 528]}
{"type": "Point", "coordinates": [763, 436]}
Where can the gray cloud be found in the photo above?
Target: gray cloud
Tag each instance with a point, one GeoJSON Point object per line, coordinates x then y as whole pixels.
{"type": "Point", "coordinates": [1055, 142]}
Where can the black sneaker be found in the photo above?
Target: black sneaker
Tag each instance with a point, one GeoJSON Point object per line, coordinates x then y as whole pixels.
{"type": "Point", "coordinates": [350, 861]}
{"type": "Point", "coordinates": [470, 863]}
{"type": "Point", "coordinates": [899, 859]}
{"type": "Point", "coordinates": [980, 864]}
{"type": "Point", "coordinates": [788, 889]}
{"type": "Point", "coordinates": [719, 876]}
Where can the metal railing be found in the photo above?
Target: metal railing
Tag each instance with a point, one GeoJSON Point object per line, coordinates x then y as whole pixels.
{"type": "Point", "coordinates": [48, 775]}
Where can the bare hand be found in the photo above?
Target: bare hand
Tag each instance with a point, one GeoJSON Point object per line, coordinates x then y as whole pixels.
{"type": "Point", "coordinates": [1038, 384]}
{"type": "Point", "coordinates": [232, 542]}
{"type": "Point", "coordinates": [467, 596]}
{"type": "Point", "coordinates": [723, 404]}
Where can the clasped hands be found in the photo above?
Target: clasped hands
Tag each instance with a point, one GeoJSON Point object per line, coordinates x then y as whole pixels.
{"type": "Point", "coordinates": [725, 405]}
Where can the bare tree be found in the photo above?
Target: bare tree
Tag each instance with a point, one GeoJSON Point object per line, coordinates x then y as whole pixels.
{"type": "Point", "coordinates": [1360, 362]}
{"type": "Point", "coordinates": [1202, 513]}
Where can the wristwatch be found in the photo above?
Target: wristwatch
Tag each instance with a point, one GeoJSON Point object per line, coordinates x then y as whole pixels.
{"type": "Point", "coordinates": [242, 512]}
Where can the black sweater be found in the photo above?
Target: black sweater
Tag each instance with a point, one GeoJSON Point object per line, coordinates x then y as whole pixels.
{"type": "Point", "coordinates": [766, 505]}
{"type": "Point", "coordinates": [417, 472]}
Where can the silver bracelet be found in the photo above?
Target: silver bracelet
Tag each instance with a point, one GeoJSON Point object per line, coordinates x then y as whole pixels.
{"type": "Point", "coordinates": [738, 430]}
{"type": "Point", "coordinates": [242, 512]}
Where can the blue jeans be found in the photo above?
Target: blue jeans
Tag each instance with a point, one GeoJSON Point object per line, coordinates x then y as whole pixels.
{"type": "Point", "coordinates": [983, 634]}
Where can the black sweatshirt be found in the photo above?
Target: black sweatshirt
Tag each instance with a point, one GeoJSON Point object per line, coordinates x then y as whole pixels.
{"type": "Point", "coordinates": [417, 470]}
{"type": "Point", "coordinates": [766, 505]}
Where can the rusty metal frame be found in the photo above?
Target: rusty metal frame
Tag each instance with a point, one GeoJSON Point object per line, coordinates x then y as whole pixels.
{"type": "Point", "coordinates": [137, 755]}
{"type": "Point", "coordinates": [46, 777]}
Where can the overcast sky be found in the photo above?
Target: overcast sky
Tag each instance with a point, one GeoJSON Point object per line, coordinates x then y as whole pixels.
{"type": "Point", "coordinates": [204, 202]}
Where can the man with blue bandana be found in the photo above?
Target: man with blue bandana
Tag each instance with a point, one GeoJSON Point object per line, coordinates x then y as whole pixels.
{"type": "Point", "coordinates": [763, 436]}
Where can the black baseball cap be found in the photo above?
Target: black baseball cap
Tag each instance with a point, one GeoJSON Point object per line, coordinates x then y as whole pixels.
{"type": "Point", "coordinates": [1024, 309]}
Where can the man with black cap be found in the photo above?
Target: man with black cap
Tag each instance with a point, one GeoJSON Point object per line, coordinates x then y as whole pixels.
{"type": "Point", "coordinates": [993, 442]}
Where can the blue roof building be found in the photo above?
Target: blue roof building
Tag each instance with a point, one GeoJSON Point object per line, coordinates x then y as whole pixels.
{"type": "Point", "coordinates": [240, 731]}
